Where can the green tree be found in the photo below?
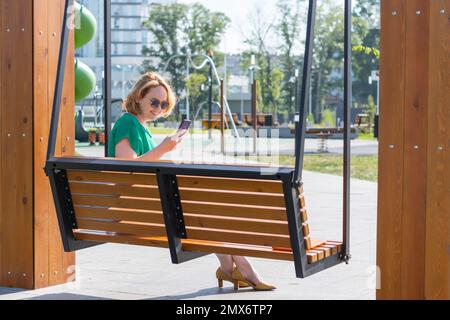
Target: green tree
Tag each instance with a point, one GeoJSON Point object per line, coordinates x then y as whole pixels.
{"type": "Point", "coordinates": [370, 109]}
{"type": "Point", "coordinates": [269, 76]}
{"type": "Point", "coordinates": [366, 52]}
{"type": "Point", "coordinates": [328, 55]}
{"type": "Point", "coordinates": [166, 24]}
{"type": "Point", "coordinates": [327, 75]}
{"type": "Point", "coordinates": [178, 29]}
{"type": "Point", "coordinates": [288, 29]}
{"type": "Point", "coordinates": [368, 10]}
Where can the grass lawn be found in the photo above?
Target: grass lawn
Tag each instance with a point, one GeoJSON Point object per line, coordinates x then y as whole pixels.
{"type": "Point", "coordinates": [366, 136]}
{"type": "Point", "coordinates": [362, 167]}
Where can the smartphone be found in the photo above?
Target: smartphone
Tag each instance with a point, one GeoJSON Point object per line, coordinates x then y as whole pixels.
{"type": "Point", "coordinates": [185, 125]}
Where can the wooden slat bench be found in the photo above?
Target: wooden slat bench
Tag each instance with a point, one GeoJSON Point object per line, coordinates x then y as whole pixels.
{"type": "Point", "coordinates": [191, 214]}
{"type": "Point", "coordinates": [192, 209]}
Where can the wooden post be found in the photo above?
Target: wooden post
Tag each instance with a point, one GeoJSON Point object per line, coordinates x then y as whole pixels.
{"type": "Point", "coordinates": [31, 254]}
{"type": "Point", "coordinates": [414, 148]}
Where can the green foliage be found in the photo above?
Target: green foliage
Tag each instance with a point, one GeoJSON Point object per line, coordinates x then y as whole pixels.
{"type": "Point", "coordinates": [368, 10]}
{"type": "Point", "coordinates": [288, 27]}
{"type": "Point", "coordinates": [327, 76]}
{"type": "Point", "coordinates": [328, 118]}
{"type": "Point", "coordinates": [269, 79]}
{"type": "Point", "coordinates": [370, 110]}
{"type": "Point", "coordinates": [166, 24]}
{"type": "Point", "coordinates": [180, 28]}
{"type": "Point", "coordinates": [194, 84]}
{"type": "Point", "coordinates": [311, 119]}
{"type": "Point", "coordinates": [328, 54]}
{"type": "Point", "coordinates": [367, 50]}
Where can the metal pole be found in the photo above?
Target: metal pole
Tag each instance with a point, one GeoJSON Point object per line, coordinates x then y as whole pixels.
{"type": "Point", "coordinates": [107, 80]}
{"type": "Point", "coordinates": [187, 88]}
{"type": "Point", "coordinates": [56, 108]}
{"type": "Point", "coordinates": [210, 99]}
{"type": "Point", "coordinates": [296, 88]}
{"type": "Point", "coordinates": [222, 117]}
{"type": "Point", "coordinates": [254, 112]}
{"type": "Point", "coordinates": [304, 100]}
{"type": "Point", "coordinates": [347, 106]}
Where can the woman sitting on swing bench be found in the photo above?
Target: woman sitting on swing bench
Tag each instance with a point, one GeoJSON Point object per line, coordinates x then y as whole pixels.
{"type": "Point", "coordinates": [150, 99]}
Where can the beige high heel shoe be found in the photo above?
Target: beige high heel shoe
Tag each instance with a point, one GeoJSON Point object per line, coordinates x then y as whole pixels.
{"type": "Point", "coordinates": [222, 275]}
{"type": "Point", "coordinates": [239, 278]}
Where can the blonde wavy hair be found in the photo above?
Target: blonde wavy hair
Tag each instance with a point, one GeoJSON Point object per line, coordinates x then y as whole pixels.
{"type": "Point", "coordinates": [145, 83]}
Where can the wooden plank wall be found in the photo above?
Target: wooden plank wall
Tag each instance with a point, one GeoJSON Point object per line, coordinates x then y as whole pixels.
{"type": "Point", "coordinates": [415, 149]}
{"type": "Point", "coordinates": [16, 210]}
{"type": "Point", "coordinates": [437, 252]}
{"type": "Point", "coordinates": [413, 189]}
{"type": "Point", "coordinates": [390, 168]}
{"type": "Point", "coordinates": [31, 255]}
{"type": "Point", "coordinates": [52, 265]}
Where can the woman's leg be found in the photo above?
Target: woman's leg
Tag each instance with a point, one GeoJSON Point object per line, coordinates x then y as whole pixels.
{"type": "Point", "coordinates": [247, 269]}
{"type": "Point", "coordinates": [226, 263]}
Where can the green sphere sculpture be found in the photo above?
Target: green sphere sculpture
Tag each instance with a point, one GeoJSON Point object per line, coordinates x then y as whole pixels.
{"type": "Point", "coordinates": [86, 25]}
{"type": "Point", "coordinates": [84, 80]}
{"type": "Point", "coordinates": [85, 30]}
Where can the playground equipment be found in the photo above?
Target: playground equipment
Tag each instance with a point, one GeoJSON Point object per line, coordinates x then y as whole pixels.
{"type": "Point", "coordinates": [85, 30]}
{"type": "Point", "coordinates": [213, 74]}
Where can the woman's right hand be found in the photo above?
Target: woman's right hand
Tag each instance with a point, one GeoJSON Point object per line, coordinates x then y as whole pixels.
{"type": "Point", "coordinates": [171, 142]}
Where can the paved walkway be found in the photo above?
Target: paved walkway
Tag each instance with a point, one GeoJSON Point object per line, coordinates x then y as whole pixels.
{"type": "Point", "coordinates": [131, 272]}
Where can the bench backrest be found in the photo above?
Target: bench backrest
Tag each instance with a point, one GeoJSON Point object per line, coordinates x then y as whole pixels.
{"type": "Point", "coordinates": [120, 207]}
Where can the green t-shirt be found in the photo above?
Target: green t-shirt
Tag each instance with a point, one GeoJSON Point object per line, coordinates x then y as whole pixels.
{"type": "Point", "coordinates": [128, 126]}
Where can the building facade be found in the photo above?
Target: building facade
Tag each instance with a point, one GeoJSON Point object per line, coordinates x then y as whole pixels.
{"type": "Point", "coordinates": [128, 37]}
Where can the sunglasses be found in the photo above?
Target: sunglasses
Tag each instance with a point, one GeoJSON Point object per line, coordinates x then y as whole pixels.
{"type": "Point", "coordinates": [156, 103]}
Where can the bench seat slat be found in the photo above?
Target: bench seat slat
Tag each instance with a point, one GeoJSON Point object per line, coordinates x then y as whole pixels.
{"type": "Point", "coordinates": [226, 248]}
{"type": "Point", "coordinates": [323, 250]}
{"type": "Point", "coordinates": [236, 197]}
{"type": "Point", "coordinates": [160, 242]}
{"type": "Point", "coordinates": [125, 228]}
{"type": "Point", "coordinates": [117, 202]}
{"type": "Point", "coordinates": [116, 214]}
{"type": "Point", "coordinates": [246, 185]}
{"type": "Point", "coordinates": [228, 210]}
{"type": "Point", "coordinates": [249, 225]}
{"type": "Point", "coordinates": [252, 238]}
{"type": "Point", "coordinates": [140, 191]}
{"type": "Point", "coordinates": [112, 177]}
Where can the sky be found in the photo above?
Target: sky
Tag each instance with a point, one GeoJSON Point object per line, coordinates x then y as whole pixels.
{"type": "Point", "coordinates": [237, 11]}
